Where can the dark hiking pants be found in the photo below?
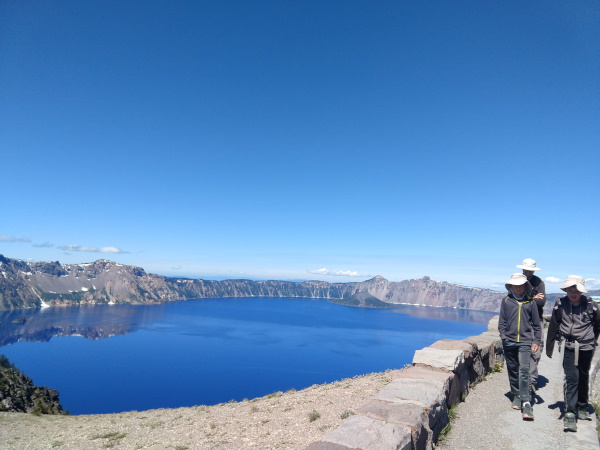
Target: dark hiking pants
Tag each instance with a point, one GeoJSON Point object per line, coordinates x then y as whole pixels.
{"type": "Point", "coordinates": [577, 379]}
{"type": "Point", "coordinates": [518, 356]}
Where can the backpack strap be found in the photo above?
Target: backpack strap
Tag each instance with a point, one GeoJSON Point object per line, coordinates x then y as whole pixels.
{"type": "Point", "coordinates": [560, 307]}
{"type": "Point", "coordinates": [591, 309]}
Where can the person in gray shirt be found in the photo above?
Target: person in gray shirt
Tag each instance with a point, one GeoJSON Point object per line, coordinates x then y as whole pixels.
{"type": "Point", "coordinates": [521, 333]}
{"type": "Point", "coordinates": [576, 322]}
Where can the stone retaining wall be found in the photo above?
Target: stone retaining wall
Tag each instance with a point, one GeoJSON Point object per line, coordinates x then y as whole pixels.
{"type": "Point", "coordinates": [410, 412]}
{"type": "Point", "coordinates": [595, 379]}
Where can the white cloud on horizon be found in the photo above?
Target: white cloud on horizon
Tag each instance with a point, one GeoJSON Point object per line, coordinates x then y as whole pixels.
{"type": "Point", "coordinates": [79, 248]}
{"type": "Point", "coordinates": [338, 273]}
{"type": "Point", "coordinates": [43, 245]}
{"type": "Point", "coordinates": [592, 283]}
{"type": "Point", "coordinates": [552, 280]}
{"type": "Point", "coordinates": [7, 238]}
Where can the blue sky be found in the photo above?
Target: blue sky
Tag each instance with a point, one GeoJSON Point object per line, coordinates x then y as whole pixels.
{"type": "Point", "coordinates": [331, 140]}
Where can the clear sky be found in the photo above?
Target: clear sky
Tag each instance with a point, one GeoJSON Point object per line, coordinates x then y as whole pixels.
{"type": "Point", "coordinates": [330, 140]}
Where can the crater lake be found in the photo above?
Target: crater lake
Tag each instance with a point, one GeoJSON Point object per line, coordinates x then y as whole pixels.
{"type": "Point", "coordinates": [114, 358]}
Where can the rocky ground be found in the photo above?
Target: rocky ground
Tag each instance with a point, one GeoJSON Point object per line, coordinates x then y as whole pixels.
{"type": "Point", "coordinates": [283, 420]}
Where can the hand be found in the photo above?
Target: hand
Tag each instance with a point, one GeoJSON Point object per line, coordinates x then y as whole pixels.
{"type": "Point", "coordinates": [538, 296]}
{"type": "Point", "coordinates": [534, 348]}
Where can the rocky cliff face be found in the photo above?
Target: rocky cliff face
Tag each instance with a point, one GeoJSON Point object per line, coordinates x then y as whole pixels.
{"type": "Point", "coordinates": [31, 285]}
{"type": "Point", "coordinates": [426, 291]}
{"type": "Point", "coordinates": [19, 394]}
{"type": "Point", "coordinates": [15, 291]}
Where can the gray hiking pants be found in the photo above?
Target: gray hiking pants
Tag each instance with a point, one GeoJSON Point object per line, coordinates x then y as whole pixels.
{"type": "Point", "coordinates": [518, 357]}
{"type": "Point", "coordinates": [535, 359]}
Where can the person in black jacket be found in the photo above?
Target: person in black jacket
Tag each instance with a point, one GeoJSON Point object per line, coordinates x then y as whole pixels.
{"type": "Point", "coordinates": [538, 293]}
{"type": "Point", "coordinates": [521, 334]}
{"type": "Point", "coordinates": [576, 321]}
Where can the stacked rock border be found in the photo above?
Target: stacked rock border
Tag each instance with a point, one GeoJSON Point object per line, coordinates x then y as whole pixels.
{"type": "Point", "coordinates": [411, 411]}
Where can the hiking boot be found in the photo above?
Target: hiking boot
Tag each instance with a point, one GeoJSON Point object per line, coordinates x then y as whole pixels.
{"type": "Point", "coordinates": [527, 411]}
{"type": "Point", "coordinates": [570, 423]}
{"type": "Point", "coordinates": [516, 404]}
{"type": "Point", "coordinates": [583, 414]}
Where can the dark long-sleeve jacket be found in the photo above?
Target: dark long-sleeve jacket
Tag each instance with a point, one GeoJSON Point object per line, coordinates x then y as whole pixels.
{"type": "Point", "coordinates": [519, 321]}
{"type": "Point", "coordinates": [539, 287]}
{"type": "Point", "coordinates": [575, 323]}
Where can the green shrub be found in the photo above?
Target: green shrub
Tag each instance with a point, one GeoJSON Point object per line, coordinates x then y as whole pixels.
{"type": "Point", "coordinates": [313, 415]}
{"type": "Point", "coordinates": [596, 405]}
{"type": "Point", "coordinates": [275, 394]}
{"type": "Point", "coordinates": [452, 413]}
{"type": "Point", "coordinates": [444, 433]}
{"type": "Point", "coordinates": [5, 363]}
{"type": "Point", "coordinates": [347, 414]}
{"type": "Point", "coordinates": [41, 407]}
{"type": "Point", "coordinates": [110, 436]}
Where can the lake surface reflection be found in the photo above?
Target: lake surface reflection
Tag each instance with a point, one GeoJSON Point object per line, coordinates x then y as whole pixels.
{"type": "Point", "coordinates": [115, 358]}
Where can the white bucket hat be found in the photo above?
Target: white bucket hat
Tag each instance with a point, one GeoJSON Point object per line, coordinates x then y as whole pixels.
{"type": "Point", "coordinates": [574, 280]}
{"type": "Point", "coordinates": [529, 264]}
{"type": "Point", "coordinates": [517, 279]}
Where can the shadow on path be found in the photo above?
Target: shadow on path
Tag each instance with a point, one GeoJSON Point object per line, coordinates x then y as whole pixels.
{"type": "Point", "coordinates": [486, 420]}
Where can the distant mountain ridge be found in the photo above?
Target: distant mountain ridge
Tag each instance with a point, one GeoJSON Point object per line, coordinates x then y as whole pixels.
{"type": "Point", "coordinates": [34, 284]}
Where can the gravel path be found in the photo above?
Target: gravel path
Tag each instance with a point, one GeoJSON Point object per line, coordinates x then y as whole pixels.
{"type": "Point", "coordinates": [290, 420]}
{"type": "Point", "coordinates": [486, 420]}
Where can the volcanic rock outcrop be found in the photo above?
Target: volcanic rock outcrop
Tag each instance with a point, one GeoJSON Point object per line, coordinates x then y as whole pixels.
{"type": "Point", "coordinates": [19, 394]}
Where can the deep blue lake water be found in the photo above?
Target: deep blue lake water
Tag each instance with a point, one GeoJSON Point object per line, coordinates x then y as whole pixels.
{"type": "Point", "coordinates": [114, 358]}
